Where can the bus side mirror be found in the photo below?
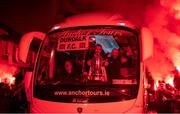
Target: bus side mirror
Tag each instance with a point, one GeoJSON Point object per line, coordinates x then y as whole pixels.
{"type": "Point", "coordinates": [147, 43]}
{"type": "Point", "coordinates": [28, 41]}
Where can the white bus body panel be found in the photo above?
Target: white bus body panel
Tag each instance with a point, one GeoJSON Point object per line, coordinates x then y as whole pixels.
{"type": "Point", "coordinates": [42, 106]}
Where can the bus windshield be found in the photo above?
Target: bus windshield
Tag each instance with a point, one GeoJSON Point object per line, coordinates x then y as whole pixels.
{"type": "Point", "coordinates": [88, 65]}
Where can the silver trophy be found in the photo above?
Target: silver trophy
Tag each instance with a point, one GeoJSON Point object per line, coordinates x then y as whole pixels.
{"type": "Point", "coordinates": [96, 66]}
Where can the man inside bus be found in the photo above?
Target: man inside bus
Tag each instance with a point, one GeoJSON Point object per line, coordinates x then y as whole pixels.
{"type": "Point", "coordinates": [97, 63]}
{"type": "Point", "coordinates": [126, 56]}
{"type": "Point", "coordinates": [114, 63]}
{"type": "Point", "coordinates": [69, 74]}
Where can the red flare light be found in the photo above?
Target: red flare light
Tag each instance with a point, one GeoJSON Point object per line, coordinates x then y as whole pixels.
{"type": "Point", "coordinates": [7, 78]}
{"type": "Point", "coordinates": [156, 85]}
{"type": "Point", "coordinates": [170, 80]}
{"type": "Point", "coordinates": [178, 68]}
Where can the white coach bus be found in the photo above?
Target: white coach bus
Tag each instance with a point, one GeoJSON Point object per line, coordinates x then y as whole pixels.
{"type": "Point", "coordinates": [76, 71]}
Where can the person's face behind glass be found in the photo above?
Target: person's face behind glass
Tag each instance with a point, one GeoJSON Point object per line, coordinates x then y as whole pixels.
{"type": "Point", "coordinates": [115, 53]}
{"type": "Point", "coordinates": [68, 66]}
{"type": "Point", "coordinates": [98, 49]}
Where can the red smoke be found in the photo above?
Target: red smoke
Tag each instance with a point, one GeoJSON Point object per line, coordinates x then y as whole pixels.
{"type": "Point", "coordinates": [163, 20]}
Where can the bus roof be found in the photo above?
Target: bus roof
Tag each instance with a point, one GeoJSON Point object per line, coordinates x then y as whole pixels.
{"type": "Point", "coordinates": [93, 19]}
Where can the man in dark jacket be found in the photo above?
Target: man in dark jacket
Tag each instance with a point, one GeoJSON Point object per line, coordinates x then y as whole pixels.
{"type": "Point", "coordinates": [113, 68]}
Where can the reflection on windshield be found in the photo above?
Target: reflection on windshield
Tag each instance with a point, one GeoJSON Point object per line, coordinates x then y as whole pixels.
{"type": "Point", "coordinates": [89, 61]}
